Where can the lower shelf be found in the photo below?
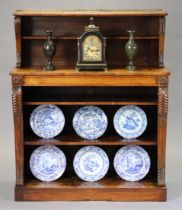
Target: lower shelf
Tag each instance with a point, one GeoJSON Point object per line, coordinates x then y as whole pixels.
{"type": "Point", "coordinates": [77, 190]}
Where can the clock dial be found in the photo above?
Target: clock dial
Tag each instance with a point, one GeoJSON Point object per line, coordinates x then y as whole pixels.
{"type": "Point", "coordinates": [92, 49]}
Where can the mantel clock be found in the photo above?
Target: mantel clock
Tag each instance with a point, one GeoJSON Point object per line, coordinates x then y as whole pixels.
{"type": "Point", "coordinates": [91, 49]}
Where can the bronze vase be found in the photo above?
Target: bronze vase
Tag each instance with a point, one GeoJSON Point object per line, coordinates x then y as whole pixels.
{"type": "Point", "coordinates": [131, 49]}
{"type": "Point", "coordinates": [49, 51]}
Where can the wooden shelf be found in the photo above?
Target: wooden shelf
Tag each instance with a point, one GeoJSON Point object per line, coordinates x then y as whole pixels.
{"type": "Point", "coordinates": [97, 13]}
{"type": "Point", "coordinates": [92, 103]}
{"type": "Point", "coordinates": [106, 182]}
{"type": "Point", "coordinates": [34, 37]}
{"type": "Point", "coordinates": [38, 71]}
{"type": "Point", "coordinates": [114, 189]}
{"type": "Point", "coordinates": [76, 140]}
{"type": "Point", "coordinates": [90, 96]}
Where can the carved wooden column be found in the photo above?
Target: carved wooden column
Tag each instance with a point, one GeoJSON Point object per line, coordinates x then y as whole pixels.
{"type": "Point", "coordinates": [18, 127]}
{"type": "Point", "coordinates": [162, 125]}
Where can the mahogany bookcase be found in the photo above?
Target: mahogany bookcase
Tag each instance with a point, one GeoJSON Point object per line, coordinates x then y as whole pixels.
{"type": "Point", "coordinates": [146, 87]}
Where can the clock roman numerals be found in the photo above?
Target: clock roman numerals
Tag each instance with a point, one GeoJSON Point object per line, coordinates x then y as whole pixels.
{"type": "Point", "coordinates": [92, 49]}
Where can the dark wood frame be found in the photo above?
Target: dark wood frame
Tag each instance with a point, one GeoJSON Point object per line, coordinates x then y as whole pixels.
{"type": "Point", "coordinates": [130, 87]}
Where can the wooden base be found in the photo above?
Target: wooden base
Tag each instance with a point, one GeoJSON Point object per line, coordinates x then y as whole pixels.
{"type": "Point", "coordinates": [91, 66]}
{"type": "Point", "coordinates": [103, 190]}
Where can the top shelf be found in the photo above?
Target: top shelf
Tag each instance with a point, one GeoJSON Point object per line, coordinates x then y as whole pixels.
{"type": "Point", "coordinates": [106, 13]}
{"type": "Point", "coordinates": [75, 38]}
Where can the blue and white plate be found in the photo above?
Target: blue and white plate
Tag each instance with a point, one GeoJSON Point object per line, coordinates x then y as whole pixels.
{"type": "Point", "coordinates": [47, 121]}
{"type": "Point", "coordinates": [91, 163]}
{"type": "Point", "coordinates": [132, 163]}
{"type": "Point", "coordinates": [130, 121]}
{"type": "Point", "coordinates": [90, 122]}
{"type": "Point", "coordinates": [47, 163]}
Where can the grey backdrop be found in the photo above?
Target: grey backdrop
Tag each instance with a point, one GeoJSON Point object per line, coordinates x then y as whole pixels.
{"type": "Point", "coordinates": [173, 60]}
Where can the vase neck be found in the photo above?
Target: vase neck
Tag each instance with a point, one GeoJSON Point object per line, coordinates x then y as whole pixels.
{"type": "Point", "coordinates": [131, 34]}
{"type": "Point", "coordinates": [49, 35]}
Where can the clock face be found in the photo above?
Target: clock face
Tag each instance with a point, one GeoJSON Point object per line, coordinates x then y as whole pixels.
{"type": "Point", "coordinates": [92, 49]}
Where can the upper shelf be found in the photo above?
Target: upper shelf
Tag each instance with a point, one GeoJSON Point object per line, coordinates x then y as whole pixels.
{"type": "Point", "coordinates": [75, 38]}
{"type": "Point", "coordinates": [90, 95]}
{"type": "Point", "coordinates": [145, 103]}
{"type": "Point", "coordinates": [144, 12]}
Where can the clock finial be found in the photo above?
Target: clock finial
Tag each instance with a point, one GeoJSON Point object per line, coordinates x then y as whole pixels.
{"type": "Point", "coordinates": [91, 21]}
{"type": "Point", "coordinates": [91, 25]}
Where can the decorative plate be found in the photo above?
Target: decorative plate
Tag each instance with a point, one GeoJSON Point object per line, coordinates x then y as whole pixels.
{"type": "Point", "coordinates": [91, 163]}
{"type": "Point", "coordinates": [130, 121]}
{"type": "Point", "coordinates": [90, 122]}
{"type": "Point", "coordinates": [47, 163]}
{"type": "Point", "coordinates": [132, 163]}
{"type": "Point", "coordinates": [47, 121]}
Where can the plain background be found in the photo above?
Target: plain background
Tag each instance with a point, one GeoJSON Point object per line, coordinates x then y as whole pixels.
{"type": "Point", "coordinates": [173, 58]}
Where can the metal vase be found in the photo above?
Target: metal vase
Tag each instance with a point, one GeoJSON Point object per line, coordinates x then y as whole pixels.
{"type": "Point", "coordinates": [131, 49]}
{"type": "Point", "coordinates": [49, 51]}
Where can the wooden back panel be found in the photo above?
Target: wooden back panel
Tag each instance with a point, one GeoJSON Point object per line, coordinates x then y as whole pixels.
{"type": "Point", "coordinates": [74, 26]}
